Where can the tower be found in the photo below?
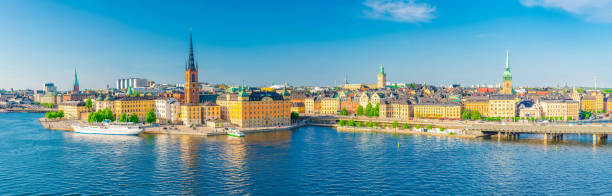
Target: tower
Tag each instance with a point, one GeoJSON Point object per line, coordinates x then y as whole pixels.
{"type": "Point", "coordinates": [507, 78]}
{"type": "Point", "coordinates": [382, 78]}
{"type": "Point", "coordinates": [75, 87]}
{"type": "Point", "coordinates": [192, 89]}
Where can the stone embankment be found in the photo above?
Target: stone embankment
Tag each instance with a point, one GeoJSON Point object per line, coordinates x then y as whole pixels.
{"type": "Point", "coordinates": [54, 124]}
{"type": "Point", "coordinates": [414, 131]}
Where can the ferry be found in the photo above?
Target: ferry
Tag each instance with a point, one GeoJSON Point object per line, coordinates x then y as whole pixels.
{"type": "Point", "coordinates": [108, 128]}
{"type": "Point", "coordinates": [235, 132]}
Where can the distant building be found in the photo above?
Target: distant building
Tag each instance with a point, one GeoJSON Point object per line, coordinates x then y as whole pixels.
{"type": "Point", "coordinates": [134, 105]}
{"type": "Point", "coordinates": [382, 78]}
{"type": "Point", "coordinates": [75, 86]}
{"type": "Point", "coordinates": [49, 88]}
{"type": "Point", "coordinates": [565, 109]}
{"type": "Point", "coordinates": [133, 82]}
{"type": "Point", "coordinates": [477, 103]}
{"type": "Point", "coordinates": [74, 110]}
{"type": "Point", "coordinates": [257, 109]}
{"type": "Point", "coordinates": [503, 106]}
{"type": "Point", "coordinates": [437, 110]}
{"type": "Point", "coordinates": [507, 78]}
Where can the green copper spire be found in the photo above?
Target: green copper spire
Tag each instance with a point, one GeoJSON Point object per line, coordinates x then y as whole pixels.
{"type": "Point", "coordinates": [507, 74]}
{"type": "Point", "coordinates": [76, 80]}
{"type": "Point", "coordinates": [382, 71]}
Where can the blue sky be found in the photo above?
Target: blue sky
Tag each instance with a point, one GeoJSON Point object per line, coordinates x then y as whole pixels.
{"type": "Point", "coordinates": [314, 42]}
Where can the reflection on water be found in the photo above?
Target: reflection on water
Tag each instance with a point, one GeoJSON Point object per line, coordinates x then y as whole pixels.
{"type": "Point", "coordinates": [304, 161]}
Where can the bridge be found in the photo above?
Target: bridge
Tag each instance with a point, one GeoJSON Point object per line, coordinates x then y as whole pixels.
{"type": "Point", "coordinates": [554, 131]}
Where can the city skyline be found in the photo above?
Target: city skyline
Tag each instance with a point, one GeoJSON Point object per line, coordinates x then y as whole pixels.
{"type": "Point", "coordinates": [551, 42]}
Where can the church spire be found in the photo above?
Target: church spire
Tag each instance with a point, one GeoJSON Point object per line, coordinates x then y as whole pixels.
{"type": "Point", "coordinates": [76, 80]}
{"type": "Point", "coordinates": [507, 60]}
{"type": "Point", "coordinates": [191, 61]}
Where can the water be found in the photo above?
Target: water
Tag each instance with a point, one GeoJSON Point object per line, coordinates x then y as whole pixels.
{"type": "Point", "coordinates": [305, 161]}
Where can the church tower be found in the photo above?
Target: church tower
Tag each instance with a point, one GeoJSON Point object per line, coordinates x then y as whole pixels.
{"type": "Point", "coordinates": [382, 78]}
{"type": "Point", "coordinates": [507, 83]}
{"type": "Point", "coordinates": [192, 89]}
{"type": "Point", "coordinates": [75, 86]}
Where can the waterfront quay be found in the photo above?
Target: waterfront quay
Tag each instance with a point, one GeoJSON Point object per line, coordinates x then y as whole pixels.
{"type": "Point", "coordinates": [599, 132]}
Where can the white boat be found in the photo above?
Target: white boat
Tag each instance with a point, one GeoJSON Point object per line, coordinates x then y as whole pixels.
{"type": "Point", "coordinates": [235, 133]}
{"type": "Point", "coordinates": [108, 128]}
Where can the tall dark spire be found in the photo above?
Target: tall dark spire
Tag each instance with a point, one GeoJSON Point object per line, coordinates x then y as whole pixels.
{"type": "Point", "coordinates": [191, 62]}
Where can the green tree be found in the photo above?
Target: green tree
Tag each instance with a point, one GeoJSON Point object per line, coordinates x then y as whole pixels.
{"type": "Point", "coordinates": [418, 127]}
{"type": "Point", "coordinates": [465, 115]}
{"type": "Point", "coordinates": [368, 110]}
{"type": "Point", "coordinates": [344, 112]}
{"type": "Point", "coordinates": [358, 124]}
{"type": "Point", "coordinates": [359, 111]}
{"type": "Point", "coordinates": [395, 124]}
{"type": "Point", "coordinates": [368, 124]}
{"type": "Point", "coordinates": [342, 123]}
{"type": "Point", "coordinates": [60, 114]}
{"type": "Point", "coordinates": [50, 115]}
{"type": "Point", "coordinates": [442, 129]}
{"type": "Point", "coordinates": [294, 115]}
{"type": "Point", "coordinates": [151, 118]}
{"type": "Point", "coordinates": [123, 118]}
{"type": "Point", "coordinates": [351, 123]}
{"type": "Point", "coordinates": [406, 126]}
{"type": "Point", "coordinates": [133, 118]}
{"type": "Point", "coordinates": [376, 111]}
{"type": "Point", "coordinates": [88, 103]}
{"type": "Point", "coordinates": [476, 115]}
{"type": "Point", "coordinates": [569, 118]}
{"type": "Point", "coordinates": [375, 124]}
{"type": "Point", "coordinates": [429, 127]}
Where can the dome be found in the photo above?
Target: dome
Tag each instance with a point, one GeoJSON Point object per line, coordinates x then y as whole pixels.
{"type": "Point", "coordinates": [100, 98]}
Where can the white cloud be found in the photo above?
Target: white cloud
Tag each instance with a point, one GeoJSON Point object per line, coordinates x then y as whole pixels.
{"type": "Point", "coordinates": [400, 10]}
{"type": "Point", "coordinates": [591, 10]}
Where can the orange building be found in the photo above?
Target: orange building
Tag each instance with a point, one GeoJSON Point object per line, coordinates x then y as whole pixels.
{"type": "Point", "coordinates": [192, 88]}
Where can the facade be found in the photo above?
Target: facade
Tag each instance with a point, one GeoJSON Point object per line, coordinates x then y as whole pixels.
{"type": "Point", "coordinates": [211, 111]}
{"type": "Point", "coordinates": [350, 103]}
{"type": "Point", "coordinates": [134, 105]}
{"type": "Point", "coordinates": [503, 106]}
{"type": "Point", "coordinates": [312, 105]}
{"type": "Point", "coordinates": [400, 109]}
{"type": "Point", "coordinates": [74, 110]}
{"type": "Point", "coordinates": [477, 103]}
{"type": "Point", "coordinates": [257, 109]}
{"type": "Point", "coordinates": [49, 88]}
{"type": "Point", "coordinates": [330, 105]}
{"type": "Point", "coordinates": [592, 103]}
{"type": "Point", "coordinates": [381, 78]}
{"type": "Point", "coordinates": [191, 114]}
{"type": "Point", "coordinates": [132, 82]}
{"type": "Point", "coordinates": [192, 88]}
{"type": "Point", "coordinates": [298, 107]}
{"type": "Point", "coordinates": [530, 112]}
{"type": "Point", "coordinates": [103, 102]}
{"type": "Point", "coordinates": [167, 110]}
{"type": "Point", "coordinates": [507, 78]}
{"type": "Point", "coordinates": [437, 110]}
{"type": "Point", "coordinates": [566, 109]}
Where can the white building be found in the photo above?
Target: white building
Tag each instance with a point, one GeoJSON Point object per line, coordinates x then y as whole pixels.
{"type": "Point", "coordinates": [131, 82]}
{"type": "Point", "coordinates": [167, 110]}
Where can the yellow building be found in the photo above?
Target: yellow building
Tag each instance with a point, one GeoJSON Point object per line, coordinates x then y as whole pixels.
{"type": "Point", "coordinates": [330, 105]}
{"type": "Point", "coordinates": [564, 109]}
{"type": "Point", "coordinates": [400, 109]}
{"type": "Point", "coordinates": [298, 107]}
{"type": "Point", "coordinates": [592, 103]}
{"type": "Point", "coordinates": [211, 111]}
{"type": "Point", "coordinates": [258, 109]}
{"type": "Point", "coordinates": [477, 103]}
{"type": "Point", "coordinates": [312, 105]}
{"type": "Point", "coordinates": [134, 105]}
{"type": "Point", "coordinates": [609, 106]}
{"type": "Point", "coordinates": [191, 114]}
{"type": "Point", "coordinates": [74, 110]}
{"type": "Point", "coordinates": [439, 110]}
{"type": "Point", "coordinates": [503, 106]}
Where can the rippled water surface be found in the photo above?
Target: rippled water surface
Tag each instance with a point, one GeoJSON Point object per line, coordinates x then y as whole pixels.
{"type": "Point", "coordinates": [305, 161]}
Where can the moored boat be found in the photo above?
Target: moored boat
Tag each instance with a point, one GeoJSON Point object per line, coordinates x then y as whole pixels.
{"type": "Point", "coordinates": [235, 133]}
{"type": "Point", "coordinates": [108, 128]}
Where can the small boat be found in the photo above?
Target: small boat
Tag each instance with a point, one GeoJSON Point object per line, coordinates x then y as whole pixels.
{"type": "Point", "coordinates": [235, 133]}
{"type": "Point", "coordinates": [108, 128]}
